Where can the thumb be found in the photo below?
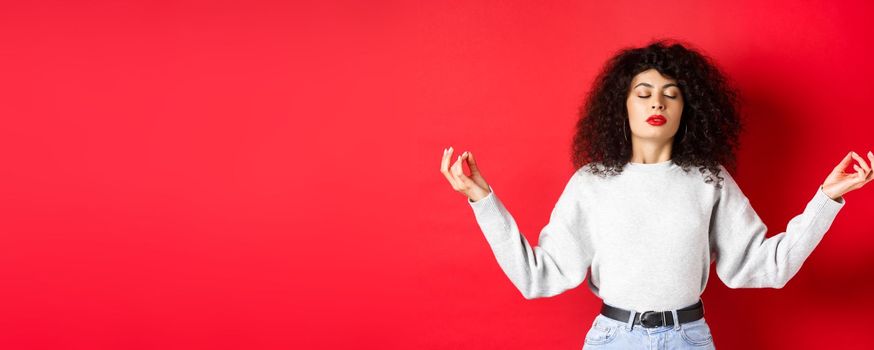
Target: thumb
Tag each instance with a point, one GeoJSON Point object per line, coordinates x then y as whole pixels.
{"type": "Point", "coordinates": [464, 179]}
{"type": "Point", "coordinates": [844, 162]}
{"type": "Point", "coordinates": [471, 163]}
{"type": "Point", "coordinates": [457, 172]}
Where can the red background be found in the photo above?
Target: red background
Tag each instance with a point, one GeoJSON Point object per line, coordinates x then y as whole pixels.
{"type": "Point", "coordinates": [265, 174]}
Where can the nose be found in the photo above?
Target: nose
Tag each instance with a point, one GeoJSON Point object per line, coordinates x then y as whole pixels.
{"type": "Point", "coordinates": [658, 106]}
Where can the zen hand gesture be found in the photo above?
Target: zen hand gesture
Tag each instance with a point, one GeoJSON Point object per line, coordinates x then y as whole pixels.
{"type": "Point", "coordinates": [473, 186]}
{"type": "Point", "coordinates": [838, 182]}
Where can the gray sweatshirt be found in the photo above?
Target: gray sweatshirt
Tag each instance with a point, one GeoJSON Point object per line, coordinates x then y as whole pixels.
{"type": "Point", "coordinates": [648, 236]}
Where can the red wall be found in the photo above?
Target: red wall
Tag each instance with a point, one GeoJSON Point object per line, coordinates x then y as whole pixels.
{"type": "Point", "coordinates": [265, 174]}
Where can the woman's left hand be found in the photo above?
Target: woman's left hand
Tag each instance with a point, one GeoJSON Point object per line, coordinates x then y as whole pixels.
{"type": "Point", "coordinates": [839, 182]}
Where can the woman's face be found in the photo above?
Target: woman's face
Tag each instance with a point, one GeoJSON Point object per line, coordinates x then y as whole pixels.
{"type": "Point", "coordinates": [652, 94]}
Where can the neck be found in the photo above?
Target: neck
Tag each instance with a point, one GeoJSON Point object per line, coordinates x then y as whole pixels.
{"type": "Point", "coordinates": [649, 151]}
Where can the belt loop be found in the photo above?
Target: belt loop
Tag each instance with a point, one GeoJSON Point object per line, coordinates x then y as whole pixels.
{"type": "Point", "coordinates": [676, 319]}
{"type": "Point", "coordinates": [630, 325]}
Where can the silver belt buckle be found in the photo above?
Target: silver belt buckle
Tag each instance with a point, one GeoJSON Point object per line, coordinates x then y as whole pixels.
{"type": "Point", "coordinates": [645, 324]}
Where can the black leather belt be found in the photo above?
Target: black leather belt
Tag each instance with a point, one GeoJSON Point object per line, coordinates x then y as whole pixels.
{"type": "Point", "coordinates": [651, 319]}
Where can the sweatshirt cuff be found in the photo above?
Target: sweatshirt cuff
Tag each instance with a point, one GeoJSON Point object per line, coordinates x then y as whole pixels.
{"type": "Point", "coordinates": [489, 213]}
{"type": "Point", "coordinates": [827, 204]}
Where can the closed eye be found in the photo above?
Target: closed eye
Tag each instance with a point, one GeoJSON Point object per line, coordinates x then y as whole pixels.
{"type": "Point", "coordinates": [671, 97]}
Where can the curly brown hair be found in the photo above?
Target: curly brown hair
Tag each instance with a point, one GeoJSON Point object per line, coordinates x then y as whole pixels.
{"type": "Point", "coordinates": [709, 128]}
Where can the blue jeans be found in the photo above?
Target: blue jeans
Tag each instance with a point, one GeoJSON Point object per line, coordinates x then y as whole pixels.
{"type": "Point", "coordinates": [607, 333]}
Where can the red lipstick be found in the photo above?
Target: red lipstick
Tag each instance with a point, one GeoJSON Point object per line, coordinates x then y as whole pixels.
{"type": "Point", "coordinates": [656, 120]}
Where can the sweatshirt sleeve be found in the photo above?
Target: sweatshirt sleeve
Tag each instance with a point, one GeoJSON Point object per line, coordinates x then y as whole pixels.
{"type": "Point", "coordinates": [745, 258]}
{"type": "Point", "coordinates": [560, 260]}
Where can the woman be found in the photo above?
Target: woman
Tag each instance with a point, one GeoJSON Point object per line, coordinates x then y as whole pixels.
{"type": "Point", "coordinates": [637, 216]}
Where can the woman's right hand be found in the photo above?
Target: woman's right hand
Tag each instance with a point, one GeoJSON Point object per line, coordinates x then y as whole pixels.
{"type": "Point", "coordinates": [473, 186]}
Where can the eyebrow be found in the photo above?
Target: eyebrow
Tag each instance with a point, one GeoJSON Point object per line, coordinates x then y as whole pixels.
{"type": "Point", "coordinates": [649, 85]}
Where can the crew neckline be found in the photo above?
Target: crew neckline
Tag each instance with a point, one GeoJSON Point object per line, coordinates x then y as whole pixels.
{"type": "Point", "coordinates": [651, 166]}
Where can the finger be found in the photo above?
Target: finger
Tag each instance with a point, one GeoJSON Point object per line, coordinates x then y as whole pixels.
{"type": "Point", "coordinates": [844, 162]}
{"type": "Point", "coordinates": [463, 158]}
{"type": "Point", "coordinates": [871, 160]}
{"type": "Point", "coordinates": [444, 168]}
{"type": "Point", "coordinates": [862, 163]}
{"type": "Point", "coordinates": [456, 168]}
{"type": "Point", "coordinates": [870, 174]}
{"type": "Point", "coordinates": [471, 163]}
{"type": "Point", "coordinates": [458, 172]}
{"type": "Point", "coordinates": [859, 172]}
